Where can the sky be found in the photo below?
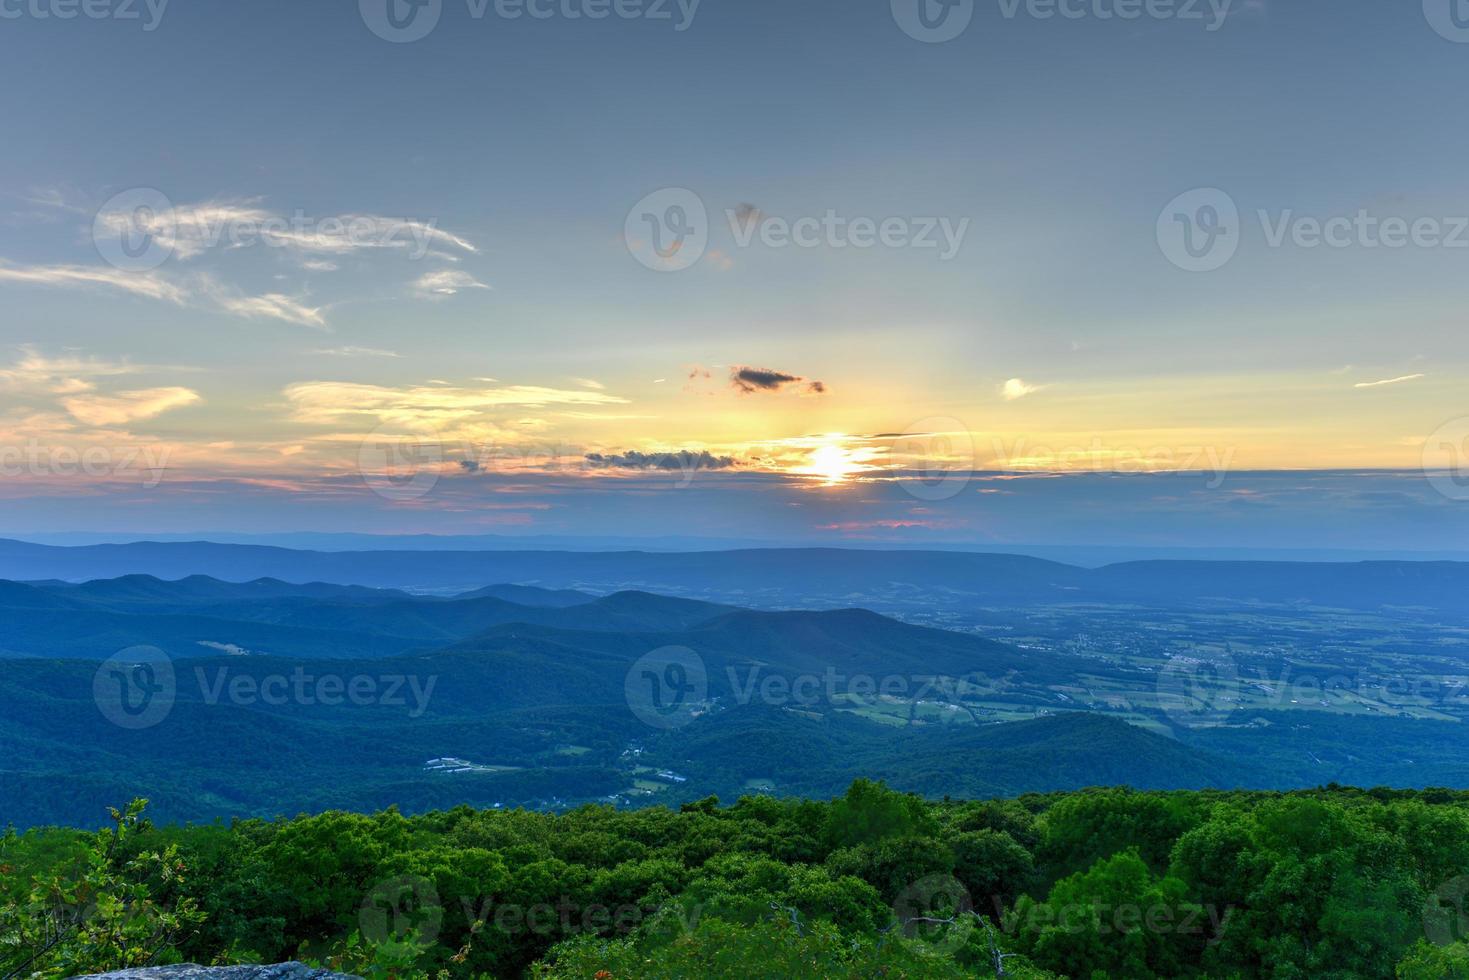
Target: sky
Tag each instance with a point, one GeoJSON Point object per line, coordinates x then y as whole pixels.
{"type": "Point", "coordinates": [1056, 271]}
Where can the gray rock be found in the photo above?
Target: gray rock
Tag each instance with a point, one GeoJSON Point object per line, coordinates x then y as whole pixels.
{"type": "Point", "coordinates": [192, 971]}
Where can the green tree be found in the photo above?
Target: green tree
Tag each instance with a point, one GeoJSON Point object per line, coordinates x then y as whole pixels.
{"type": "Point", "coordinates": [103, 913]}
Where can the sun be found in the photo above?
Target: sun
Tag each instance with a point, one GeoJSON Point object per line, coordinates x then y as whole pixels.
{"type": "Point", "coordinates": [833, 462]}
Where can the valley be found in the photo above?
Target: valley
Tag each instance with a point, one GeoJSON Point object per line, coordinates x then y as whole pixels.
{"type": "Point", "coordinates": [288, 697]}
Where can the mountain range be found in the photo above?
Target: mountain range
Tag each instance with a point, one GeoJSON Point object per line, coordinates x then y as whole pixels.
{"type": "Point", "coordinates": [529, 694]}
{"type": "Point", "coordinates": [774, 578]}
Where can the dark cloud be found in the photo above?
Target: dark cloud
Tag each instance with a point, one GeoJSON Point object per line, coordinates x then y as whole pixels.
{"type": "Point", "coordinates": [683, 461]}
{"type": "Point", "coordinates": [748, 380]}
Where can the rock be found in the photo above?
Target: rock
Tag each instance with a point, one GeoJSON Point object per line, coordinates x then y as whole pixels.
{"type": "Point", "coordinates": [192, 971]}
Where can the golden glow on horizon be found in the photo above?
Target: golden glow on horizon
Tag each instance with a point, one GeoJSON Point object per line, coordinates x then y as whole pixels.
{"type": "Point", "coordinates": [136, 423]}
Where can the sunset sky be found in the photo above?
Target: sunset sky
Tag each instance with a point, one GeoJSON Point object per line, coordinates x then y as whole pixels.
{"type": "Point", "coordinates": [449, 328]}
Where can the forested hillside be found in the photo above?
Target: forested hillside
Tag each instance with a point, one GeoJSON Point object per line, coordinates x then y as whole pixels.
{"type": "Point", "coordinates": [1109, 883]}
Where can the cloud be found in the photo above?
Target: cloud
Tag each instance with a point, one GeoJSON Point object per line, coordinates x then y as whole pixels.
{"type": "Point", "coordinates": [445, 282]}
{"type": "Point", "coordinates": [592, 383]}
{"type": "Point", "coordinates": [190, 230]}
{"type": "Point", "coordinates": [1389, 381]}
{"type": "Point", "coordinates": [682, 461]}
{"type": "Point", "coordinates": [154, 286]}
{"type": "Point", "coordinates": [184, 231]}
{"type": "Point", "coordinates": [148, 284]}
{"type": "Point", "coordinates": [52, 197]}
{"type": "Point", "coordinates": [749, 380]}
{"type": "Point", "coordinates": [128, 406]}
{"type": "Point", "coordinates": [35, 372]}
{"type": "Point", "coordinates": [332, 402]}
{"type": "Point", "coordinates": [356, 352]}
{"type": "Point", "coordinates": [1017, 388]}
{"type": "Point", "coordinates": [273, 306]}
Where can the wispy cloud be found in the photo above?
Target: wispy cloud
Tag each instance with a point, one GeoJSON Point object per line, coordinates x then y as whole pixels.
{"type": "Point", "coordinates": [273, 306]}
{"type": "Point", "coordinates": [71, 381]}
{"type": "Point", "coordinates": [153, 285]}
{"type": "Point", "coordinates": [36, 373]}
{"type": "Point", "coordinates": [147, 284]}
{"type": "Point", "coordinates": [445, 282]}
{"type": "Point", "coordinates": [356, 352]}
{"type": "Point", "coordinates": [333, 403]}
{"type": "Point", "coordinates": [190, 230]}
{"type": "Point", "coordinates": [128, 406]}
{"type": "Point", "coordinates": [1389, 381]}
